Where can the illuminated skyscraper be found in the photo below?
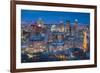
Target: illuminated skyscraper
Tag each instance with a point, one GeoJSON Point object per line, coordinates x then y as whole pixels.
{"type": "Point", "coordinates": [75, 27]}
{"type": "Point", "coordinates": [85, 41]}
{"type": "Point", "coordinates": [40, 22]}
{"type": "Point", "coordinates": [39, 25]}
{"type": "Point", "coordinates": [62, 26]}
{"type": "Point", "coordinates": [68, 27]}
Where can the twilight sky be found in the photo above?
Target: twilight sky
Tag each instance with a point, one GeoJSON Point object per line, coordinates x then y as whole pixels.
{"type": "Point", "coordinates": [54, 17]}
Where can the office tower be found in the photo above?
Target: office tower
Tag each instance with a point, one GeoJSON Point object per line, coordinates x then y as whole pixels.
{"type": "Point", "coordinates": [68, 27]}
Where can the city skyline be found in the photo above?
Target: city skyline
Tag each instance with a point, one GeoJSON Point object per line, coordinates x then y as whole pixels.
{"type": "Point", "coordinates": [41, 42]}
{"type": "Point", "coordinates": [54, 17]}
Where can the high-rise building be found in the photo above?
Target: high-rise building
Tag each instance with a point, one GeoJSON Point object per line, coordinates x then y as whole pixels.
{"type": "Point", "coordinates": [39, 25]}
{"type": "Point", "coordinates": [85, 41]}
{"type": "Point", "coordinates": [53, 28]}
{"type": "Point", "coordinates": [75, 27]}
{"type": "Point", "coordinates": [68, 27]}
{"type": "Point", "coordinates": [40, 22]}
{"type": "Point", "coordinates": [61, 27]}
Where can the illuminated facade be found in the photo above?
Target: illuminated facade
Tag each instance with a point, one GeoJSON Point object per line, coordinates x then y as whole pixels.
{"type": "Point", "coordinates": [68, 27]}
{"type": "Point", "coordinates": [85, 41]}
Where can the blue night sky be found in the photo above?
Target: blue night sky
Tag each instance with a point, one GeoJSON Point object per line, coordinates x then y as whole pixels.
{"type": "Point", "coordinates": [54, 17]}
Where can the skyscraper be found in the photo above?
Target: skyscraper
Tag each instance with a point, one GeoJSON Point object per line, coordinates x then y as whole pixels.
{"type": "Point", "coordinates": [61, 27]}
{"type": "Point", "coordinates": [75, 27]}
{"type": "Point", "coordinates": [68, 27]}
{"type": "Point", "coordinates": [85, 41]}
{"type": "Point", "coordinates": [40, 22]}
